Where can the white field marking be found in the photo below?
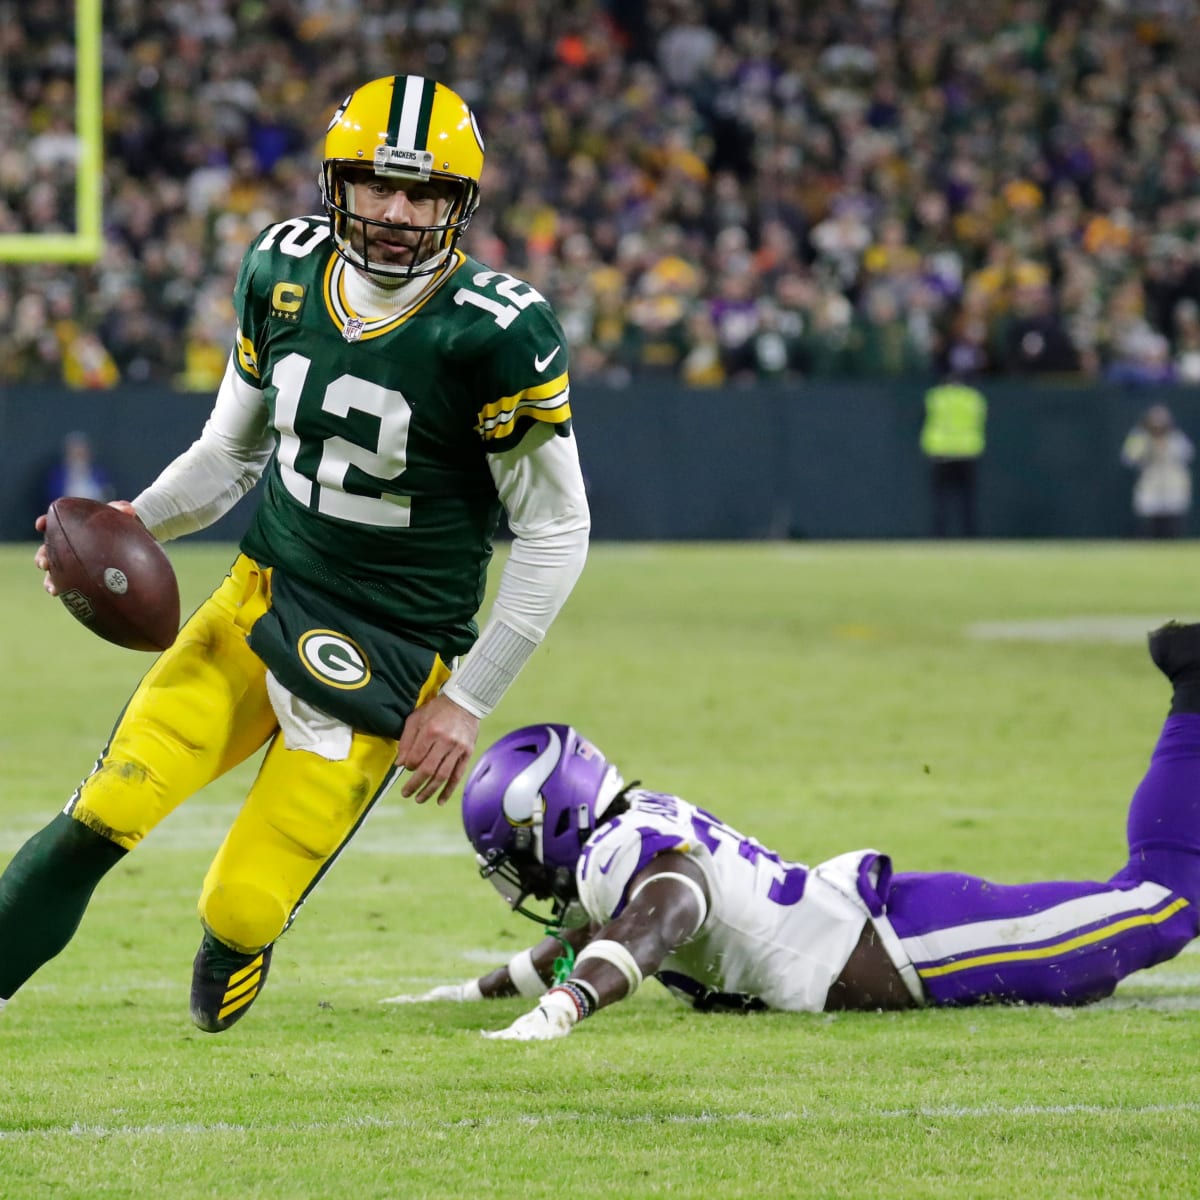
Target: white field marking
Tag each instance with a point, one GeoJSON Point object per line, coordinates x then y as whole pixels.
{"type": "Point", "coordinates": [483, 955]}
{"type": "Point", "coordinates": [533, 1120]}
{"type": "Point", "coordinates": [1179, 991]}
{"type": "Point", "coordinates": [1043, 1110]}
{"type": "Point", "coordinates": [145, 983]}
{"type": "Point", "coordinates": [200, 826]}
{"type": "Point", "coordinates": [1183, 1003]}
{"type": "Point", "coordinates": [1127, 630]}
{"type": "Point", "coordinates": [1157, 980]}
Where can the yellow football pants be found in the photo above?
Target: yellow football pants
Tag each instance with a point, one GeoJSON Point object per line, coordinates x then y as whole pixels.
{"type": "Point", "coordinates": [201, 710]}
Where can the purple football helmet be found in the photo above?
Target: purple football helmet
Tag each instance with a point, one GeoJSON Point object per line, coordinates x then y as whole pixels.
{"type": "Point", "coordinates": [529, 805]}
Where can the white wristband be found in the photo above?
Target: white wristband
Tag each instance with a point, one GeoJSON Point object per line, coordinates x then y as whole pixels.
{"type": "Point", "coordinates": [560, 1009]}
{"type": "Point", "coordinates": [616, 954]}
{"type": "Point", "coordinates": [489, 667]}
{"type": "Point", "coordinates": [524, 974]}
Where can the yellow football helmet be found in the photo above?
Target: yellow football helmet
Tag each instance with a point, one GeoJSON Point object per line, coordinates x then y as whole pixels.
{"type": "Point", "coordinates": [402, 127]}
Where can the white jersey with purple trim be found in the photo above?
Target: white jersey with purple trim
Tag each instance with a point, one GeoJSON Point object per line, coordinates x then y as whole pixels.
{"type": "Point", "coordinates": [777, 934]}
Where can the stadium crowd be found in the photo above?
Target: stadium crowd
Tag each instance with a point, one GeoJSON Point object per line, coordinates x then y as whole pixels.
{"type": "Point", "coordinates": [706, 189]}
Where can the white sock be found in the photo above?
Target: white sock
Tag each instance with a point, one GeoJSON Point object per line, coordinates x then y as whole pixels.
{"type": "Point", "coordinates": [3, 1002]}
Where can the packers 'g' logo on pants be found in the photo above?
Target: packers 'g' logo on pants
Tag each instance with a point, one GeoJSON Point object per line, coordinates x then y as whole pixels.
{"type": "Point", "coordinates": [334, 659]}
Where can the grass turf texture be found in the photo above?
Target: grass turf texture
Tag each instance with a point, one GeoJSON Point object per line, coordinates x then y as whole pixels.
{"type": "Point", "coordinates": [819, 697]}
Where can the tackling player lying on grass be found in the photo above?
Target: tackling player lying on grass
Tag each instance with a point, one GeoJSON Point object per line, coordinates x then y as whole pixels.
{"type": "Point", "coordinates": [644, 883]}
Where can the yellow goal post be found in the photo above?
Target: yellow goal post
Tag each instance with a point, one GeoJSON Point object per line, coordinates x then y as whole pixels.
{"type": "Point", "coordinates": [87, 242]}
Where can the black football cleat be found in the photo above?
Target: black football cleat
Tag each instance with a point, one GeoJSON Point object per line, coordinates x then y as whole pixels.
{"type": "Point", "coordinates": [225, 983]}
{"type": "Point", "coordinates": [1175, 649]}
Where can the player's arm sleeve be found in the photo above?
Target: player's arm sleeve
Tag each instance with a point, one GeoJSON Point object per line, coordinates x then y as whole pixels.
{"type": "Point", "coordinates": [218, 469]}
{"type": "Point", "coordinates": [540, 484]}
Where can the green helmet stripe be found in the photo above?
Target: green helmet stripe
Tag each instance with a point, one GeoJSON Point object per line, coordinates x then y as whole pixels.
{"type": "Point", "coordinates": [425, 114]}
{"type": "Point", "coordinates": [397, 105]}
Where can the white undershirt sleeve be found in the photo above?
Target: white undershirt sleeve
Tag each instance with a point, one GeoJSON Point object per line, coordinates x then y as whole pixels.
{"type": "Point", "coordinates": [217, 470]}
{"type": "Point", "coordinates": [541, 487]}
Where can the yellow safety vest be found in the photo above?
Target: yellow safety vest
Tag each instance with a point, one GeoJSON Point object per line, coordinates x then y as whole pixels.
{"type": "Point", "coordinates": [955, 416]}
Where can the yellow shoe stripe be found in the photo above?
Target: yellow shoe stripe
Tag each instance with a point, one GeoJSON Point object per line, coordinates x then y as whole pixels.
{"type": "Point", "coordinates": [248, 985]}
{"type": "Point", "coordinates": [239, 1003]}
{"type": "Point", "coordinates": [246, 970]}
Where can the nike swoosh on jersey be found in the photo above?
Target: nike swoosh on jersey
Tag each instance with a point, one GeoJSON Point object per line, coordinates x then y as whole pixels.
{"type": "Point", "coordinates": [608, 865]}
{"type": "Point", "coordinates": [540, 364]}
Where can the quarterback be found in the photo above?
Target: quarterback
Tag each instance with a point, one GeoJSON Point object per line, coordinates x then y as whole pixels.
{"type": "Point", "coordinates": [644, 883]}
{"type": "Point", "coordinates": [393, 396]}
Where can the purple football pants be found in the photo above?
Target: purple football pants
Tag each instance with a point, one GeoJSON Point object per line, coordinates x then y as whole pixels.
{"type": "Point", "coordinates": [972, 941]}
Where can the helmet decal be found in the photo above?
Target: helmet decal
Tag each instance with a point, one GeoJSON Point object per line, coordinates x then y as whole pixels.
{"type": "Point", "coordinates": [523, 794]}
{"type": "Point", "coordinates": [475, 131]}
{"type": "Point", "coordinates": [337, 116]}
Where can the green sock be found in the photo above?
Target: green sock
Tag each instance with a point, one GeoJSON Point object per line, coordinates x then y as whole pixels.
{"type": "Point", "coordinates": [43, 894]}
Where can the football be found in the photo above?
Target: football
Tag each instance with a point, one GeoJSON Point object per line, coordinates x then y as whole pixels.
{"type": "Point", "coordinates": [111, 574]}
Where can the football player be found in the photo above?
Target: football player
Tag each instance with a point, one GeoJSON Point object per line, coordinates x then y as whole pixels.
{"type": "Point", "coordinates": [643, 883]}
{"type": "Point", "coordinates": [393, 395]}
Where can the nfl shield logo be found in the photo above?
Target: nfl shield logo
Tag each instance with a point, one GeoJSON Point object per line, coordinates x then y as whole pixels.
{"type": "Point", "coordinates": [353, 328]}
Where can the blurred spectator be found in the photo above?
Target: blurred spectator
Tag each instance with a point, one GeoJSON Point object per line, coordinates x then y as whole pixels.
{"type": "Point", "coordinates": [1036, 341]}
{"type": "Point", "coordinates": [1161, 454]}
{"type": "Point", "coordinates": [78, 473]}
{"type": "Point", "coordinates": [702, 367]}
{"type": "Point", "coordinates": [1015, 188]}
{"type": "Point", "coordinates": [1187, 342]}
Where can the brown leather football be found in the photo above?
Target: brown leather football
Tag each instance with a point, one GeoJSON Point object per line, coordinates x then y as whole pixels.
{"type": "Point", "coordinates": [111, 574]}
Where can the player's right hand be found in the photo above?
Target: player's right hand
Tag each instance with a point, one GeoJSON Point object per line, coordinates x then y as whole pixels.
{"type": "Point", "coordinates": [554, 1017]}
{"type": "Point", "coordinates": [41, 557]}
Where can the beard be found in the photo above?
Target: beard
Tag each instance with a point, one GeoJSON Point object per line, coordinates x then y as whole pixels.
{"type": "Point", "coordinates": [396, 250]}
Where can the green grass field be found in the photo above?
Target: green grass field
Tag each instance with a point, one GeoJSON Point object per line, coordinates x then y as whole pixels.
{"type": "Point", "coordinates": [984, 707]}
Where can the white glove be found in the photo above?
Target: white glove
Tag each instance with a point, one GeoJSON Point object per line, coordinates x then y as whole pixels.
{"type": "Point", "coordinates": [458, 992]}
{"type": "Point", "coordinates": [554, 1017]}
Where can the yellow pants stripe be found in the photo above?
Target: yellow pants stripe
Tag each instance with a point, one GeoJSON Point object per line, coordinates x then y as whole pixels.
{"type": "Point", "coordinates": [1063, 947]}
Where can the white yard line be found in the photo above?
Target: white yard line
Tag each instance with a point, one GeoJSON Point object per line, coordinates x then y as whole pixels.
{"type": "Point", "coordinates": [534, 1120]}
{"type": "Point", "coordinates": [1121, 630]}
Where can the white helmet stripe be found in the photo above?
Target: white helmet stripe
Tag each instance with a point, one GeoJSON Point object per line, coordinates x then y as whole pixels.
{"type": "Point", "coordinates": [410, 112]}
{"type": "Point", "coordinates": [520, 797]}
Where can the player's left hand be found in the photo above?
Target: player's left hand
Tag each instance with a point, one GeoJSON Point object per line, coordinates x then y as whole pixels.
{"type": "Point", "coordinates": [435, 747]}
{"type": "Point", "coordinates": [554, 1017]}
{"type": "Point", "coordinates": [459, 993]}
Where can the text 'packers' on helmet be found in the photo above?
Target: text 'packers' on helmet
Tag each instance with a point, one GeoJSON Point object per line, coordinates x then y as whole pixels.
{"type": "Point", "coordinates": [531, 802]}
{"type": "Point", "coordinates": [415, 133]}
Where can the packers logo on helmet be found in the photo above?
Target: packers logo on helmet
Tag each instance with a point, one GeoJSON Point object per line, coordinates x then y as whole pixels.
{"type": "Point", "coordinates": [407, 129]}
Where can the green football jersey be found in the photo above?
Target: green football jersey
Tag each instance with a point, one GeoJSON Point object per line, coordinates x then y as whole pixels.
{"type": "Point", "coordinates": [379, 493]}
